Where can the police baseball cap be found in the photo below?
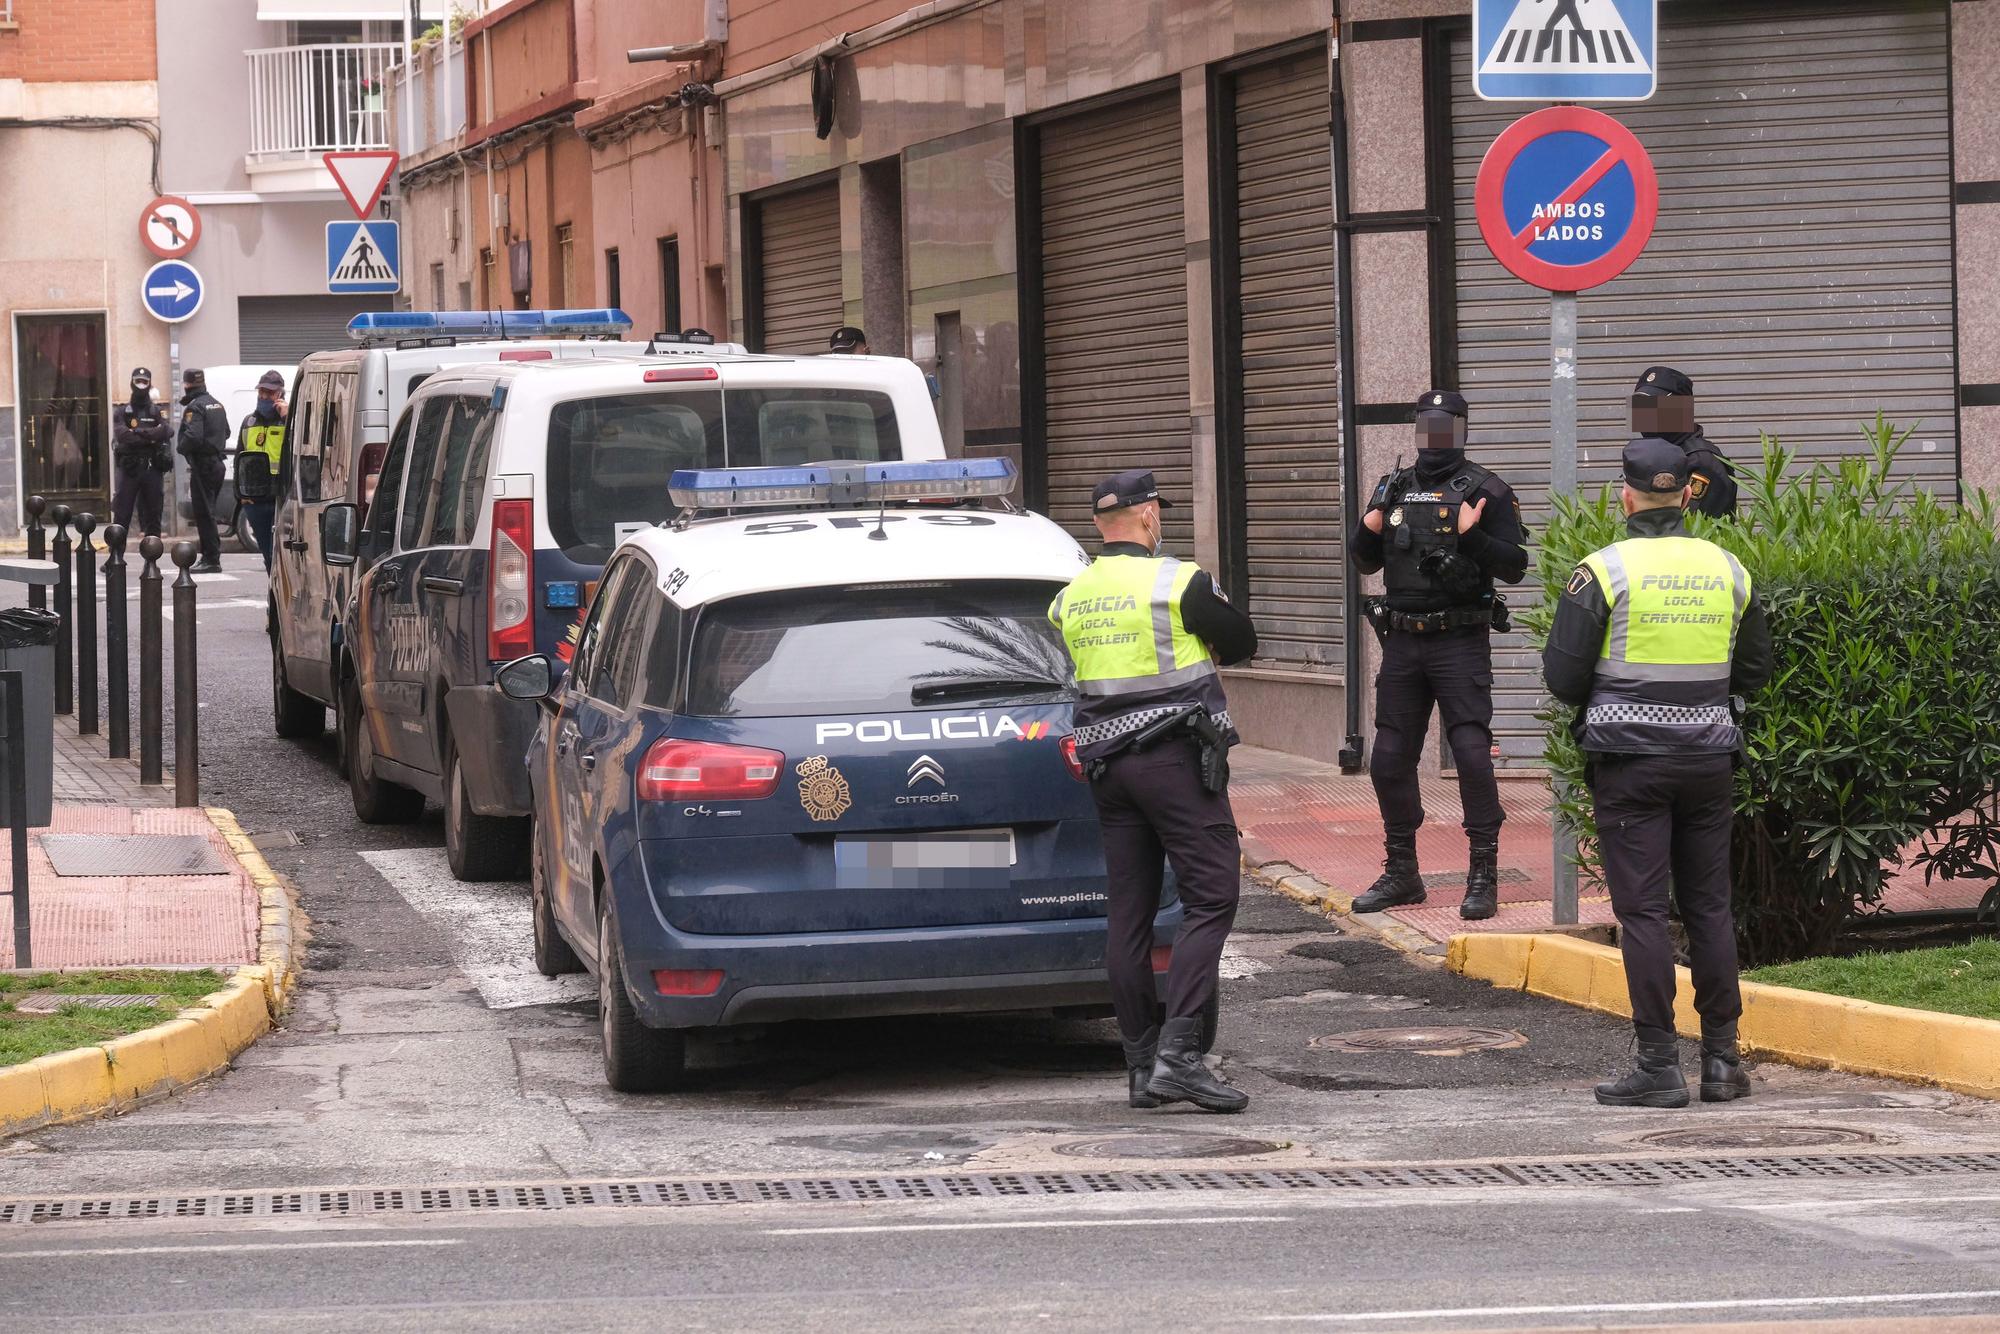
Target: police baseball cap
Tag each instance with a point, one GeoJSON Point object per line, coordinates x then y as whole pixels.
{"type": "Point", "coordinates": [271, 380]}
{"type": "Point", "coordinates": [846, 338]}
{"type": "Point", "coordinates": [1655, 466]}
{"type": "Point", "coordinates": [140, 375]}
{"type": "Point", "coordinates": [1125, 489]}
{"type": "Point", "coordinates": [1656, 380]}
{"type": "Point", "coordinates": [1442, 400]}
{"type": "Point", "coordinates": [194, 377]}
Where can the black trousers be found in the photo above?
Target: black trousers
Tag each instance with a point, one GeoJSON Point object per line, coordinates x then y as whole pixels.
{"type": "Point", "coordinates": [138, 485]}
{"type": "Point", "coordinates": [1153, 807]}
{"type": "Point", "coordinates": [1454, 671]}
{"type": "Point", "coordinates": [1661, 815]}
{"type": "Point", "coordinates": [204, 490]}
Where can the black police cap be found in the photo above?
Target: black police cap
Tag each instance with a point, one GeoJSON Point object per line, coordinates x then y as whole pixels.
{"type": "Point", "coordinates": [1442, 400]}
{"type": "Point", "coordinates": [1122, 490]}
{"type": "Point", "coordinates": [846, 338]}
{"type": "Point", "coordinates": [1656, 380]}
{"type": "Point", "coordinates": [1655, 466]}
{"type": "Point", "coordinates": [140, 375]}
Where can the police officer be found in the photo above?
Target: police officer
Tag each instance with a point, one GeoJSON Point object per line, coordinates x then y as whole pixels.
{"type": "Point", "coordinates": [1146, 632]}
{"type": "Point", "coordinates": [1663, 407]}
{"type": "Point", "coordinates": [138, 441]}
{"type": "Point", "coordinates": [260, 441]}
{"type": "Point", "coordinates": [1652, 636]}
{"type": "Point", "coordinates": [204, 434]}
{"type": "Point", "coordinates": [848, 341]}
{"type": "Point", "coordinates": [1440, 531]}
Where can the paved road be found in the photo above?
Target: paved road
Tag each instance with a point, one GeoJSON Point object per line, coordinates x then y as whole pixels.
{"type": "Point", "coordinates": [424, 1052]}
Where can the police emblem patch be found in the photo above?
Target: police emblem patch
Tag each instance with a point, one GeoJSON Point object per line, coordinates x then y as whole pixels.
{"type": "Point", "coordinates": [1663, 481]}
{"type": "Point", "coordinates": [1580, 580]}
{"type": "Point", "coordinates": [1395, 516]}
{"type": "Point", "coordinates": [822, 789]}
{"type": "Point", "coordinates": [1699, 485]}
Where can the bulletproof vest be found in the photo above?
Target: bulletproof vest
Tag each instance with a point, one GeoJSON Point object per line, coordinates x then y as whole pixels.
{"type": "Point", "coordinates": [257, 462]}
{"type": "Point", "coordinates": [134, 418]}
{"type": "Point", "coordinates": [1420, 555]}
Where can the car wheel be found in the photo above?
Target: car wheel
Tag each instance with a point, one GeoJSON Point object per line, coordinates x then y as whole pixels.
{"type": "Point", "coordinates": [479, 847]}
{"type": "Point", "coordinates": [376, 800]}
{"type": "Point", "coordinates": [637, 1059]}
{"type": "Point", "coordinates": [553, 956]}
{"type": "Point", "coordinates": [246, 540]}
{"type": "Point", "coordinates": [292, 714]}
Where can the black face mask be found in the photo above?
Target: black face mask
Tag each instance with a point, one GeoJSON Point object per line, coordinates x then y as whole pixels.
{"type": "Point", "coordinates": [142, 397]}
{"type": "Point", "coordinates": [1434, 465]}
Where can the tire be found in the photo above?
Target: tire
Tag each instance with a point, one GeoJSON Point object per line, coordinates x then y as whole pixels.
{"type": "Point", "coordinates": [480, 847]}
{"type": "Point", "coordinates": [376, 800]}
{"type": "Point", "coordinates": [637, 1059]}
{"type": "Point", "coordinates": [239, 528]}
{"type": "Point", "coordinates": [293, 715]}
{"type": "Point", "coordinates": [553, 956]}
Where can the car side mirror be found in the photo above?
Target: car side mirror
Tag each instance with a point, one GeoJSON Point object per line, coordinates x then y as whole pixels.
{"type": "Point", "coordinates": [525, 678]}
{"type": "Point", "coordinates": [339, 527]}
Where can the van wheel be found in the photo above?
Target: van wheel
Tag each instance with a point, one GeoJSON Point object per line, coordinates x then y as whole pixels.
{"type": "Point", "coordinates": [553, 956]}
{"type": "Point", "coordinates": [293, 715]}
{"type": "Point", "coordinates": [479, 847]}
{"type": "Point", "coordinates": [376, 800]}
{"type": "Point", "coordinates": [637, 1059]}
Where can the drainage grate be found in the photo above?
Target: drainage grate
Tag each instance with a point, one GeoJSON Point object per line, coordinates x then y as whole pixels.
{"type": "Point", "coordinates": [51, 1002]}
{"type": "Point", "coordinates": [360, 1201]}
{"type": "Point", "coordinates": [1423, 1041]}
{"type": "Point", "coordinates": [135, 854]}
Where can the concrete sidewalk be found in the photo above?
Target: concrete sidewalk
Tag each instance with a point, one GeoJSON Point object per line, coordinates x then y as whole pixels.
{"type": "Point", "coordinates": [1309, 816]}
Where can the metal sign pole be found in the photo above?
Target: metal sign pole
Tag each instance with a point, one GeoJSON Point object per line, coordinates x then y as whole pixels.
{"type": "Point", "coordinates": [1562, 482]}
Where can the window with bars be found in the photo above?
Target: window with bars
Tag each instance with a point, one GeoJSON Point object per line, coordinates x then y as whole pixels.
{"type": "Point", "coordinates": [614, 288]}
{"type": "Point", "coordinates": [565, 266]}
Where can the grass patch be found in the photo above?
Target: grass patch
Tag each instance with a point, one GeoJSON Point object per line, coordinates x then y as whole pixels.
{"type": "Point", "coordinates": [23, 1037]}
{"type": "Point", "coordinates": [1953, 979]}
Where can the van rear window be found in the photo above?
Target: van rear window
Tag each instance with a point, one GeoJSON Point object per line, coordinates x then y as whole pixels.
{"type": "Point", "coordinates": [610, 458]}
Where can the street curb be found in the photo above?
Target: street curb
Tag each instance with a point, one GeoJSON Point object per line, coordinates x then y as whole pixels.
{"type": "Point", "coordinates": [125, 1072]}
{"type": "Point", "coordinates": [1323, 898]}
{"type": "Point", "coordinates": [1806, 1028]}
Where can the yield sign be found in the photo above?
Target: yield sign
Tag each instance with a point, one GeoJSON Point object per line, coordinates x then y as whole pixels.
{"type": "Point", "coordinates": [1566, 198]}
{"type": "Point", "coordinates": [361, 177]}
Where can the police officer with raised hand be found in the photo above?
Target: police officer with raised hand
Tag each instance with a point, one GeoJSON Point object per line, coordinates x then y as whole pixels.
{"type": "Point", "coordinates": [1440, 531]}
{"type": "Point", "coordinates": [260, 442]}
{"type": "Point", "coordinates": [1663, 408]}
{"type": "Point", "coordinates": [1652, 638]}
{"type": "Point", "coordinates": [139, 435]}
{"type": "Point", "coordinates": [204, 435]}
{"type": "Point", "coordinates": [1146, 633]}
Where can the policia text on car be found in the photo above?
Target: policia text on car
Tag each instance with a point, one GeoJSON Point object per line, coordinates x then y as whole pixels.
{"type": "Point", "coordinates": [1440, 531]}
{"type": "Point", "coordinates": [1145, 632]}
{"type": "Point", "coordinates": [1655, 639]}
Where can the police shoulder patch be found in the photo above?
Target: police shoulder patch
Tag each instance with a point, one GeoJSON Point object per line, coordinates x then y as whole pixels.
{"type": "Point", "coordinates": [1581, 580]}
{"type": "Point", "coordinates": [1698, 484]}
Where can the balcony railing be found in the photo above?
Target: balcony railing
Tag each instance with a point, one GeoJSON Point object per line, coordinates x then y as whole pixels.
{"type": "Point", "coordinates": [318, 99]}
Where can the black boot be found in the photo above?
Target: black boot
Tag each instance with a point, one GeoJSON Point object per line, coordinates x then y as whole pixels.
{"type": "Point", "coordinates": [1482, 882]}
{"type": "Point", "coordinates": [1722, 1076]}
{"type": "Point", "coordinates": [1657, 1082]}
{"type": "Point", "coordinates": [1139, 1057]}
{"type": "Point", "coordinates": [1180, 1076]}
{"type": "Point", "coordinates": [1399, 884]}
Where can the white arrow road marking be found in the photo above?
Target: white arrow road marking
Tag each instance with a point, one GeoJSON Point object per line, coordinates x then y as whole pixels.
{"type": "Point", "coordinates": [180, 291]}
{"type": "Point", "coordinates": [487, 928]}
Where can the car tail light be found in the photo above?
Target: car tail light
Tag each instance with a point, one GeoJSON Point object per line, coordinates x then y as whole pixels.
{"type": "Point", "coordinates": [687, 981]}
{"type": "Point", "coordinates": [371, 473]}
{"type": "Point", "coordinates": [1068, 744]}
{"type": "Point", "coordinates": [676, 770]}
{"type": "Point", "coordinates": [1163, 955]}
{"type": "Point", "coordinates": [527, 354]}
{"type": "Point", "coordinates": [669, 374]}
{"type": "Point", "coordinates": [510, 627]}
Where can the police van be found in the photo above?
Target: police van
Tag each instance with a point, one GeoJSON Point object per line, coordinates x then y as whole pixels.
{"type": "Point", "coordinates": [504, 489]}
{"type": "Point", "coordinates": [813, 758]}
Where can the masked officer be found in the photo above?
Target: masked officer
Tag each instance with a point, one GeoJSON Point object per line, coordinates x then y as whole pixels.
{"type": "Point", "coordinates": [1440, 531]}
{"type": "Point", "coordinates": [1651, 638]}
{"type": "Point", "coordinates": [1663, 407]}
{"type": "Point", "coordinates": [1145, 632]}
{"type": "Point", "coordinates": [204, 435]}
{"type": "Point", "coordinates": [260, 441]}
{"type": "Point", "coordinates": [138, 439]}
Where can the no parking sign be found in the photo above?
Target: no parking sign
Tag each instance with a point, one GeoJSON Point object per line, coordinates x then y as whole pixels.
{"type": "Point", "coordinates": [1566, 198]}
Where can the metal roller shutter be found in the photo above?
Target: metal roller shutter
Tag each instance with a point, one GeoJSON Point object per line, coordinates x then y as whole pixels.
{"type": "Point", "coordinates": [1114, 308]}
{"type": "Point", "coordinates": [1801, 270]}
{"type": "Point", "coordinates": [799, 268]}
{"type": "Point", "coordinates": [1289, 362]}
{"type": "Point", "coordinates": [284, 330]}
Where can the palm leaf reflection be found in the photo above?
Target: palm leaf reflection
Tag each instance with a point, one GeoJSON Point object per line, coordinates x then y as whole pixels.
{"type": "Point", "coordinates": [997, 648]}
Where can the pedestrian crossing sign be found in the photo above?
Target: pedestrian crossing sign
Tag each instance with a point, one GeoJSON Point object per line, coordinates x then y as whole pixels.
{"type": "Point", "coordinates": [363, 257]}
{"type": "Point", "coordinates": [1565, 50]}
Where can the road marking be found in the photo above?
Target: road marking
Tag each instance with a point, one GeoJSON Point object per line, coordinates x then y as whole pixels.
{"type": "Point", "coordinates": [487, 927]}
{"type": "Point", "coordinates": [1023, 1226]}
{"type": "Point", "coordinates": [1633, 1308]}
{"type": "Point", "coordinates": [227, 1248]}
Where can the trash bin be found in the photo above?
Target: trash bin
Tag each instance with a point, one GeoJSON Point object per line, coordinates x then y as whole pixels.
{"type": "Point", "coordinates": [28, 645]}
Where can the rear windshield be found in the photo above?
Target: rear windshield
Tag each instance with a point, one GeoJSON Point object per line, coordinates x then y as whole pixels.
{"type": "Point", "coordinates": [610, 458]}
{"type": "Point", "coordinates": [877, 650]}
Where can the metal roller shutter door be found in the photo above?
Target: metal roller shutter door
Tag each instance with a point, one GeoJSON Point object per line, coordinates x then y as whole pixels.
{"type": "Point", "coordinates": [1114, 308]}
{"type": "Point", "coordinates": [1290, 363]}
{"type": "Point", "coordinates": [799, 269]}
{"type": "Point", "coordinates": [1801, 270]}
{"type": "Point", "coordinates": [284, 330]}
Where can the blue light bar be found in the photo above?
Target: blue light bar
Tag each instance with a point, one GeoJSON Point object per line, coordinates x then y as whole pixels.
{"type": "Point", "coordinates": [380, 324]}
{"type": "Point", "coordinates": [840, 483]}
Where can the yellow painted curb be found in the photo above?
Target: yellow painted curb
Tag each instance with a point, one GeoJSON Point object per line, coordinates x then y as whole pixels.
{"type": "Point", "coordinates": [1806, 1028]}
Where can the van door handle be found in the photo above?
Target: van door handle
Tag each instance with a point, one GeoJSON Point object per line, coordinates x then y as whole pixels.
{"type": "Point", "coordinates": [294, 544]}
{"type": "Point", "coordinates": [437, 583]}
{"type": "Point", "coordinates": [587, 760]}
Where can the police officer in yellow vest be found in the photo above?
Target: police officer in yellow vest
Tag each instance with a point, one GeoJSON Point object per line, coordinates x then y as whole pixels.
{"type": "Point", "coordinates": [1146, 633]}
{"type": "Point", "coordinates": [1652, 638]}
{"type": "Point", "coordinates": [260, 444]}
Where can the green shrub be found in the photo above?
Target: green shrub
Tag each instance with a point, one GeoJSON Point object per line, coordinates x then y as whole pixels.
{"type": "Point", "coordinates": [1881, 726]}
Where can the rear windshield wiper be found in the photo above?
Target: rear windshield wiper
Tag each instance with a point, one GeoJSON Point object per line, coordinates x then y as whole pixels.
{"type": "Point", "coordinates": [985, 685]}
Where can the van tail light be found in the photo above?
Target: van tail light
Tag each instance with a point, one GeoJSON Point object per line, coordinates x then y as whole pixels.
{"type": "Point", "coordinates": [527, 354]}
{"type": "Point", "coordinates": [687, 981]}
{"type": "Point", "coordinates": [1163, 957]}
{"type": "Point", "coordinates": [510, 624]}
{"type": "Point", "coordinates": [371, 473]}
{"type": "Point", "coordinates": [676, 374]}
{"type": "Point", "coordinates": [676, 770]}
{"type": "Point", "coordinates": [1069, 757]}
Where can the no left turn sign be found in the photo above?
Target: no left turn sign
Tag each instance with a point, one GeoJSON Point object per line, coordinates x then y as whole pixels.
{"type": "Point", "coordinates": [169, 227]}
{"type": "Point", "coordinates": [1566, 198]}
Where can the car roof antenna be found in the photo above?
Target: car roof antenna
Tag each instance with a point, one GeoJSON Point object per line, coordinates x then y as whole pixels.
{"type": "Point", "coordinates": [881, 518]}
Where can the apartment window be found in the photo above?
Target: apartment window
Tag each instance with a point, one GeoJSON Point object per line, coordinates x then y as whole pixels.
{"type": "Point", "coordinates": [614, 289]}
{"type": "Point", "coordinates": [465, 296]}
{"type": "Point", "coordinates": [565, 265]}
{"type": "Point", "coordinates": [437, 287]}
{"type": "Point", "coordinates": [489, 281]}
{"type": "Point", "coordinates": [670, 284]}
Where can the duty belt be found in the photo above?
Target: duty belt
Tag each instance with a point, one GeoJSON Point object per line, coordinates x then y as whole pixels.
{"type": "Point", "coordinates": [1436, 622]}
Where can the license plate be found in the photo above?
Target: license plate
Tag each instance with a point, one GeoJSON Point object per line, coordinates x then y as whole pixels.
{"type": "Point", "coordinates": [889, 861]}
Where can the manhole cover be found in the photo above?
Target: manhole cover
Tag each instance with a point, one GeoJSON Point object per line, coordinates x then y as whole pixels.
{"type": "Point", "coordinates": [134, 854]}
{"type": "Point", "coordinates": [277, 838]}
{"type": "Point", "coordinates": [49, 1002]}
{"type": "Point", "coordinates": [1758, 1137]}
{"type": "Point", "coordinates": [1168, 1147]}
{"type": "Point", "coordinates": [1423, 1041]}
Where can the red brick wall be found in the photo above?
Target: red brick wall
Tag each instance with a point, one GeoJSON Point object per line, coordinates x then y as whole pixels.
{"type": "Point", "coordinates": [79, 41]}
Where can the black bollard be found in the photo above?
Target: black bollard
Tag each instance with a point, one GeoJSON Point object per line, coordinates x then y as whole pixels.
{"type": "Point", "coordinates": [59, 552]}
{"type": "Point", "coordinates": [117, 667]}
{"type": "Point", "coordinates": [187, 719]}
{"type": "Point", "coordinates": [150, 548]}
{"type": "Point", "coordinates": [38, 549]}
{"type": "Point", "coordinates": [86, 626]}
